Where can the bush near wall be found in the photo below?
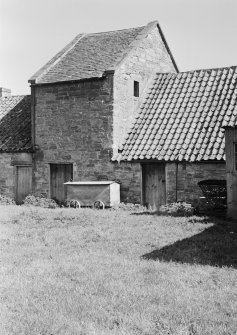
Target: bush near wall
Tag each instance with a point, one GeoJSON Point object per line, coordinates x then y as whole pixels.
{"type": "Point", "coordinates": [31, 200]}
{"type": "Point", "coordinates": [177, 209]}
{"type": "Point", "coordinates": [4, 200]}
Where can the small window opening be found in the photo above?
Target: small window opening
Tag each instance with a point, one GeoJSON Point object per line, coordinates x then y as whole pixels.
{"type": "Point", "coordinates": [235, 156]}
{"type": "Point", "coordinates": [136, 88]}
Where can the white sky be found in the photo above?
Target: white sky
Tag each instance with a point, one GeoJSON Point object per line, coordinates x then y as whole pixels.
{"type": "Point", "coordinates": [200, 33]}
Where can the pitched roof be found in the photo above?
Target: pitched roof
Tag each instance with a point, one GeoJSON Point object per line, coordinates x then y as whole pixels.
{"type": "Point", "coordinates": [90, 55]}
{"type": "Point", "coordinates": [15, 123]}
{"type": "Point", "coordinates": [182, 117]}
{"type": "Point", "coordinates": [87, 56]}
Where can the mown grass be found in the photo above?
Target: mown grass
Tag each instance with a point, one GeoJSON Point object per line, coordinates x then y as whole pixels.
{"type": "Point", "coordinates": [67, 271]}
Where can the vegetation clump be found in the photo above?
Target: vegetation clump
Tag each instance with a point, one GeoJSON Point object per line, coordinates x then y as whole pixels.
{"type": "Point", "coordinates": [130, 207]}
{"type": "Point", "coordinates": [177, 209]}
{"type": "Point", "coordinates": [4, 200]}
{"type": "Point", "coordinates": [41, 201]}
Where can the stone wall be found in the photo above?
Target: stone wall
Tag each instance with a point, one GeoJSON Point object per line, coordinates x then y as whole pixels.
{"type": "Point", "coordinates": [147, 56]}
{"type": "Point", "coordinates": [7, 178]}
{"type": "Point", "coordinates": [182, 179]}
{"type": "Point", "coordinates": [74, 124]}
{"type": "Point", "coordinates": [84, 122]}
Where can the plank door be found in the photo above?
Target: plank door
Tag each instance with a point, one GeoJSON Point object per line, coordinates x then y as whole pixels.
{"type": "Point", "coordinates": [153, 177]}
{"type": "Point", "coordinates": [59, 174]}
{"type": "Point", "coordinates": [23, 182]}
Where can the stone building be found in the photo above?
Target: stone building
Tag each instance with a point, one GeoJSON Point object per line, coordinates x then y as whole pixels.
{"type": "Point", "coordinates": [84, 101]}
{"type": "Point", "coordinates": [178, 135]}
{"type": "Point", "coordinates": [113, 106]}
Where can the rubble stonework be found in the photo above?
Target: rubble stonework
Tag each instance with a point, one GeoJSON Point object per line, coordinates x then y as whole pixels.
{"type": "Point", "coordinates": [83, 122]}
{"type": "Point", "coordinates": [182, 179]}
{"type": "Point", "coordinates": [7, 178]}
{"type": "Point", "coordinates": [148, 55]}
{"type": "Point", "coordinates": [73, 124]}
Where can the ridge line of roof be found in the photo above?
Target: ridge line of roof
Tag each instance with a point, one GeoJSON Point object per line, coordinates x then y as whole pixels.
{"type": "Point", "coordinates": [114, 31]}
{"type": "Point", "coordinates": [196, 70]}
{"type": "Point", "coordinates": [132, 45]}
{"type": "Point", "coordinates": [210, 69]}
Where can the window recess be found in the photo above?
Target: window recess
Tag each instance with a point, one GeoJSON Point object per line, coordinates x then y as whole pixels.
{"type": "Point", "coordinates": [136, 89]}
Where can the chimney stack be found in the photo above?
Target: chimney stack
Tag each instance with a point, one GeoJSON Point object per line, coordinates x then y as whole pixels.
{"type": "Point", "coordinates": [4, 92]}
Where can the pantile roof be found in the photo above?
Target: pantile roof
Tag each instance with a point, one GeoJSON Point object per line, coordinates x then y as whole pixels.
{"type": "Point", "coordinates": [15, 123]}
{"type": "Point", "coordinates": [182, 117]}
{"type": "Point", "coordinates": [87, 56]}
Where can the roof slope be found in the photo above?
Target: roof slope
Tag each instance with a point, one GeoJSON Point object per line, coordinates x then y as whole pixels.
{"type": "Point", "coordinates": [87, 56]}
{"type": "Point", "coordinates": [182, 117]}
{"type": "Point", "coordinates": [15, 123]}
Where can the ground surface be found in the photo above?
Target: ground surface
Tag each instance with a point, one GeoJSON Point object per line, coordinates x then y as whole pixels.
{"type": "Point", "coordinates": [66, 271]}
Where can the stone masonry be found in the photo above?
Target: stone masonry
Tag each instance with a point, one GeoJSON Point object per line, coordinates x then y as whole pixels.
{"type": "Point", "coordinates": [74, 125]}
{"type": "Point", "coordinates": [147, 56]}
{"type": "Point", "coordinates": [182, 179]}
{"type": "Point", "coordinates": [84, 122]}
{"type": "Point", "coordinates": [7, 178]}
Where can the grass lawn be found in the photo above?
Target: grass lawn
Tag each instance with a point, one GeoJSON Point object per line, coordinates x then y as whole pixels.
{"type": "Point", "coordinates": [67, 271]}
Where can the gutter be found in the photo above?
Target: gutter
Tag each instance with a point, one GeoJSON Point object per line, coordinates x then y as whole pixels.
{"type": "Point", "coordinates": [34, 83]}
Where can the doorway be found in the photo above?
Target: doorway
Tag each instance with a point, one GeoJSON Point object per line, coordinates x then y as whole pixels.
{"type": "Point", "coordinates": [23, 183]}
{"type": "Point", "coordinates": [59, 174]}
{"type": "Point", "coordinates": [153, 185]}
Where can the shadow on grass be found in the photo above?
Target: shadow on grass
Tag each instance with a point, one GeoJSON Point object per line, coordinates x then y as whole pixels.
{"type": "Point", "coordinates": [215, 246]}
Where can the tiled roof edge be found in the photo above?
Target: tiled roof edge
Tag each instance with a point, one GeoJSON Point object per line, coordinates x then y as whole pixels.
{"type": "Point", "coordinates": [133, 44]}
{"type": "Point", "coordinates": [121, 158]}
{"type": "Point", "coordinates": [160, 74]}
{"type": "Point", "coordinates": [15, 96]}
{"type": "Point", "coordinates": [211, 69]}
{"type": "Point", "coordinates": [43, 70]}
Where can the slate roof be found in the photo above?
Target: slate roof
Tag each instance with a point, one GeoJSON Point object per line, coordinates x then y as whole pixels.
{"type": "Point", "coordinates": [15, 123]}
{"type": "Point", "coordinates": [182, 116]}
{"type": "Point", "coordinates": [87, 56]}
{"type": "Point", "coordinates": [91, 55]}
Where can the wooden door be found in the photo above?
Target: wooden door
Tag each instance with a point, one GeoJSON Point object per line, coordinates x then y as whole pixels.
{"type": "Point", "coordinates": [59, 174]}
{"type": "Point", "coordinates": [153, 177]}
{"type": "Point", "coordinates": [23, 182]}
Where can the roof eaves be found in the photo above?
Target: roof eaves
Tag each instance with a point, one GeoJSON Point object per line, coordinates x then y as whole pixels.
{"type": "Point", "coordinates": [70, 80]}
{"type": "Point", "coordinates": [121, 158]}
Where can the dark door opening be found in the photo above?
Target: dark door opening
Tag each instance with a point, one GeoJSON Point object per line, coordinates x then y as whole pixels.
{"type": "Point", "coordinates": [153, 185]}
{"type": "Point", "coordinates": [59, 174]}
